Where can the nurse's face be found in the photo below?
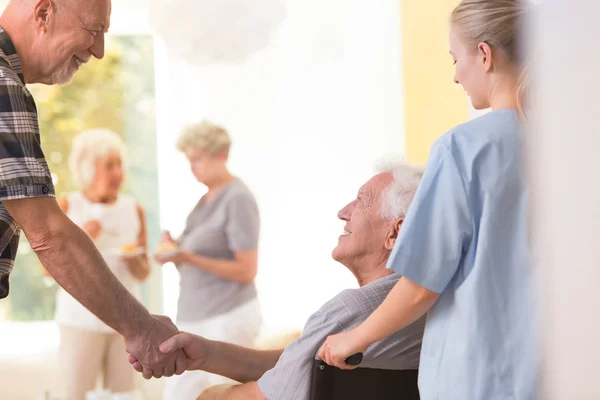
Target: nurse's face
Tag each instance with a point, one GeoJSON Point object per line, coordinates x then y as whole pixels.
{"type": "Point", "coordinates": [471, 71]}
{"type": "Point", "coordinates": [368, 237]}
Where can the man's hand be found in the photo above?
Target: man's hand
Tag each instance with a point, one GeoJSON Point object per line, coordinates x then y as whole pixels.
{"type": "Point", "coordinates": [194, 347]}
{"type": "Point", "coordinates": [229, 360]}
{"type": "Point", "coordinates": [144, 348]}
{"type": "Point", "coordinates": [338, 347]}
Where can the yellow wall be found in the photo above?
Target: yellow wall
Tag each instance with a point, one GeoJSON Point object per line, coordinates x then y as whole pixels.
{"type": "Point", "coordinates": [433, 103]}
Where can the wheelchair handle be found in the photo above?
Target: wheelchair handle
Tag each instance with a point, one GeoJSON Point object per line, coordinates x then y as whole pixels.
{"type": "Point", "coordinates": [354, 359]}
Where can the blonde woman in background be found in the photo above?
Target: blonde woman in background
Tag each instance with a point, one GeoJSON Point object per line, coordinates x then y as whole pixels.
{"type": "Point", "coordinates": [216, 256]}
{"type": "Point", "coordinates": [116, 224]}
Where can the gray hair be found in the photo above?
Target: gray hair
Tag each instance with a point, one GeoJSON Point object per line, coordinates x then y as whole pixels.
{"type": "Point", "coordinates": [205, 136]}
{"type": "Point", "coordinates": [90, 146]}
{"type": "Point", "coordinates": [400, 193]}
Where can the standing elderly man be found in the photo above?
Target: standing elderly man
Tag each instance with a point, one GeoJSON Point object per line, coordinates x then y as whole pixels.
{"type": "Point", "coordinates": [372, 222]}
{"type": "Point", "coordinates": [47, 41]}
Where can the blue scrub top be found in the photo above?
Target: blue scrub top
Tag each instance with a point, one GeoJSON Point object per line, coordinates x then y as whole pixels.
{"type": "Point", "coordinates": [466, 237]}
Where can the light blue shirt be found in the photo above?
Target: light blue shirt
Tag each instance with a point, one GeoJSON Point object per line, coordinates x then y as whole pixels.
{"type": "Point", "coordinates": [465, 236]}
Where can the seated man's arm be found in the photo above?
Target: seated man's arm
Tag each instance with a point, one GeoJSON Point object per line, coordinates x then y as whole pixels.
{"type": "Point", "coordinates": [247, 391]}
{"type": "Point", "coordinates": [285, 375]}
{"type": "Point", "coordinates": [235, 362]}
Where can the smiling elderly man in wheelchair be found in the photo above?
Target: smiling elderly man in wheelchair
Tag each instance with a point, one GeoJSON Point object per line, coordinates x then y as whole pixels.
{"type": "Point", "coordinates": [372, 223]}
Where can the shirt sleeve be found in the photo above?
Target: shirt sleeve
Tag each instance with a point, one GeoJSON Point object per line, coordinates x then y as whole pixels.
{"type": "Point", "coordinates": [290, 378]}
{"type": "Point", "coordinates": [243, 223]}
{"type": "Point", "coordinates": [438, 227]}
{"type": "Point", "coordinates": [23, 168]}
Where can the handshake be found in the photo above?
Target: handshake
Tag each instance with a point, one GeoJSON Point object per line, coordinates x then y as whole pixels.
{"type": "Point", "coordinates": [159, 349]}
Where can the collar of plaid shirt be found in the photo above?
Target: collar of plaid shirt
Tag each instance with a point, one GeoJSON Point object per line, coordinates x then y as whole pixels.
{"type": "Point", "coordinates": [8, 48]}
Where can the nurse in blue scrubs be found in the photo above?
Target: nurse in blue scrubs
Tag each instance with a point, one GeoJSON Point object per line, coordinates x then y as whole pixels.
{"type": "Point", "coordinates": [463, 248]}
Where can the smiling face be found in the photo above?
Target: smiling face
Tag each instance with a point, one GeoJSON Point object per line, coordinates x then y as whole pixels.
{"type": "Point", "coordinates": [69, 33]}
{"type": "Point", "coordinates": [366, 238]}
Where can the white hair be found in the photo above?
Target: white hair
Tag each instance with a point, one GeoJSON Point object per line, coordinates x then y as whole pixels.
{"type": "Point", "coordinates": [90, 146]}
{"type": "Point", "coordinates": [205, 136]}
{"type": "Point", "coordinates": [400, 193]}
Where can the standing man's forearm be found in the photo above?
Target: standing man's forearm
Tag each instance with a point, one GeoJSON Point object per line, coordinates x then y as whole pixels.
{"type": "Point", "coordinates": [72, 259]}
{"type": "Point", "coordinates": [70, 256]}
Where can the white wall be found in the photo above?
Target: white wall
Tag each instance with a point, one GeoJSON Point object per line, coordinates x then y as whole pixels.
{"type": "Point", "coordinates": [309, 117]}
{"type": "Point", "coordinates": [565, 148]}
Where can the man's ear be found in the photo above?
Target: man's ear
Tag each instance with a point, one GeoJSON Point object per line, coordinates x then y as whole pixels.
{"type": "Point", "coordinates": [43, 12]}
{"type": "Point", "coordinates": [393, 233]}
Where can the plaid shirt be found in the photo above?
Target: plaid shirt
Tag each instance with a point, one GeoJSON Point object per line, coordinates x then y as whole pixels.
{"type": "Point", "coordinates": [23, 169]}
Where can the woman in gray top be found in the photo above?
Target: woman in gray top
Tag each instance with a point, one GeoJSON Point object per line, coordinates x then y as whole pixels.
{"type": "Point", "coordinates": [216, 255]}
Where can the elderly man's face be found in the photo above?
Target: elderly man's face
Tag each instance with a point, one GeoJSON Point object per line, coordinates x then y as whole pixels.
{"type": "Point", "coordinates": [72, 31]}
{"type": "Point", "coordinates": [367, 235]}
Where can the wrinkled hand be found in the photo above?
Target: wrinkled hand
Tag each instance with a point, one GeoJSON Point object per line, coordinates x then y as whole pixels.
{"type": "Point", "coordinates": [196, 349]}
{"type": "Point", "coordinates": [338, 347]}
{"type": "Point", "coordinates": [144, 347]}
{"type": "Point", "coordinates": [92, 228]}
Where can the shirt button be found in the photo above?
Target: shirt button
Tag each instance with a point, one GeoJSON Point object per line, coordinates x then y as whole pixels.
{"type": "Point", "coordinates": [44, 189]}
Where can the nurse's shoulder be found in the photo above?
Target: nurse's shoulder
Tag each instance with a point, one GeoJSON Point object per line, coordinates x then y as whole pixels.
{"type": "Point", "coordinates": [492, 133]}
{"type": "Point", "coordinates": [487, 129]}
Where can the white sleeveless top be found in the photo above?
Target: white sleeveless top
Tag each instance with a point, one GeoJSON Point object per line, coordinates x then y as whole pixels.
{"type": "Point", "coordinates": [120, 226]}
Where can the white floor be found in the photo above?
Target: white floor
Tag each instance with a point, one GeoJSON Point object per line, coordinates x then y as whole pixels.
{"type": "Point", "coordinates": [28, 363]}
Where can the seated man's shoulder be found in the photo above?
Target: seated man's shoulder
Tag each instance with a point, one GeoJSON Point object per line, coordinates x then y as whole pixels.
{"type": "Point", "coordinates": [351, 305]}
